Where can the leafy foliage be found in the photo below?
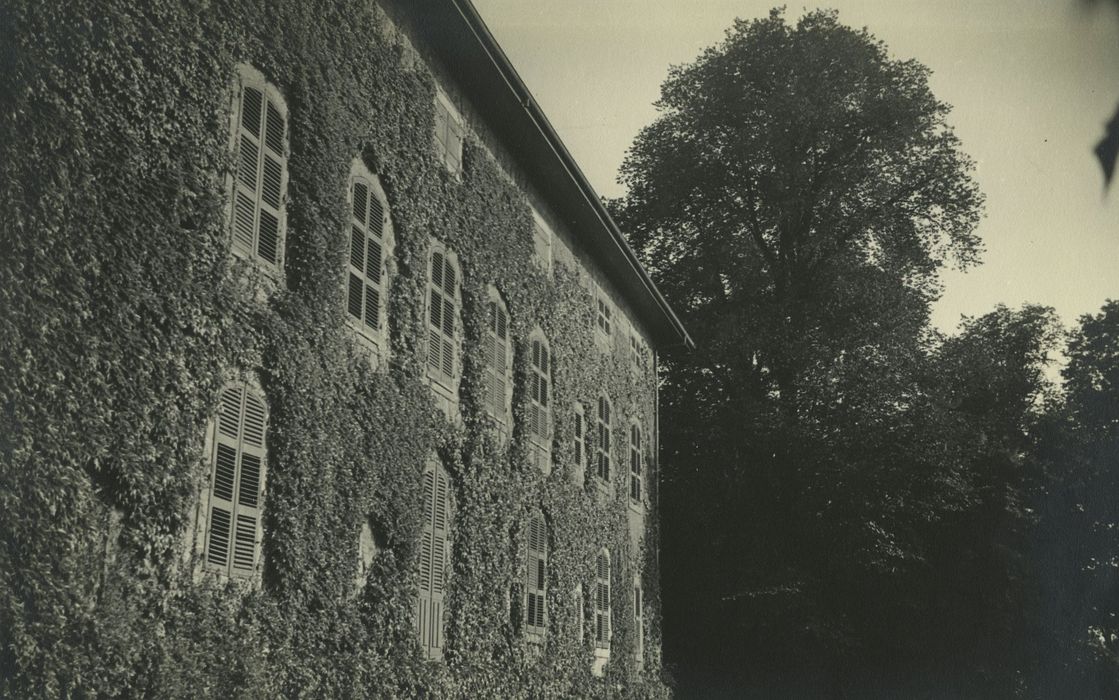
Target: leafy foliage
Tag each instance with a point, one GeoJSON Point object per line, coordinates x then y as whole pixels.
{"type": "Point", "coordinates": [122, 313]}
{"type": "Point", "coordinates": [847, 493]}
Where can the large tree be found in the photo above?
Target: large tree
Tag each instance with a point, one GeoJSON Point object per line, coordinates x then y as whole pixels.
{"type": "Point", "coordinates": [795, 200]}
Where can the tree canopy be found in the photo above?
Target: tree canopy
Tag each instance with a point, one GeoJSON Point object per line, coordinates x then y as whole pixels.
{"type": "Point", "coordinates": [846, 491]}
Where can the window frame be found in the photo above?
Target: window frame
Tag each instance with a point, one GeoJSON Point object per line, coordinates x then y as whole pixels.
{"type": "Point", "coordinates": [539, 415]}
{"type": "Point", "coordinates": [495, 307]}
{"type": "Point", "coordinates": [580, 456]}
{"type": "Point", "coordinates": [376, 339]}
{"type": "Point", "coordinates": [637, 464]}
{"type": "Point", "coordinates": [247, 77]}
{"type": "Point", "coordinates": [604, 429]}
{"type": "Point", "coordinates": [447, 383]}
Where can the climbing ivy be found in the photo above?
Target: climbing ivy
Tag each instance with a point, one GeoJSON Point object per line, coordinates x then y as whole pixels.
{"type": "Point", "coordinates": [123, 313]}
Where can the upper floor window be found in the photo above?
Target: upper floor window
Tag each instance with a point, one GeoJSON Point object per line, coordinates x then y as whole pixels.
{"type": "Point", "coordinates": [435, 559]}
{"type": "Point", "coordinates": [442, 324]}
{"type": "Point", "coordinates": [536, 577]}
{"type": "Point", "coordinates": [496, 354]}
{"type": "Point", "coordinates": [602, 601]}
{"type": "Point", "coordinates": [581, 453]}
{"type": "Point", "coordinates": [637, 352]}
{"type": "Point", "coordinates": [260, 181]}
{"type": "Point", "coordinates": [602, 444]}
{"type": "Point", "coordinates": [636, 480]}
{"type": "Point", "coordinates": [603, 315]}
{"type": "Point", "coordinates": [539, 411]}
{"type": "Point", "coordinates": [233, 523]}
{"type": "Point", "coordinates": [370, 232]}
{"type": "Point", "coordinates": [449, 133]}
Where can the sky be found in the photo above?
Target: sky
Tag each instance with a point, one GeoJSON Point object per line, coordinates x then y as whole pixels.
{"type": "Point", "coordinates": [1031, 82]}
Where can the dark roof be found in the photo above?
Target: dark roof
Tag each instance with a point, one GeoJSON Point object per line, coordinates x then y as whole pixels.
{"type": "Point", "coordinates": [454, 30]}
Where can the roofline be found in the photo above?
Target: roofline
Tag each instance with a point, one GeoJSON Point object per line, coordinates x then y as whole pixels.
{"type": "Point", "coordinates": [517, 86]}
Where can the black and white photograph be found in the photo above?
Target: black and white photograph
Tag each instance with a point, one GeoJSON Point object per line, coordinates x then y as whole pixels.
{"type": "Point", "coordinates": [512, 349]}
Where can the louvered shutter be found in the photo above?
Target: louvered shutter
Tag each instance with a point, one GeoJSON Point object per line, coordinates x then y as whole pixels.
{"type": "Point", "coordinates": [233, 540]}
{"type": "Point", "coordinates": [500, 360]}
{"type": "Point", "coordinates": [435, 558]}
{"type": "Point", "coordinates": [639, 623]}
{"type": "Point", "coordinates": [635, 463]}
{"type": "Point", "coordinates": [427, 546]}
{"type": "Point", "coordinates": [579, 430]}
{"type": "Point", "coordinates": [442, 309]}
{"type": "Point", "coordinates": [536, 575]}
{"type": "Point", "coordinates": [261, 177]}
{"type": "Point", "coordinates": [365, 289]}
{"type": "Point", "coordinates": [602, 601]}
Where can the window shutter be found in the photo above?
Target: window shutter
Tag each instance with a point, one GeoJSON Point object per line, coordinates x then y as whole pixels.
{"type": "Point", "coordinates": [635, 480]}
{"type": "Point", "coordinates": [536, 566]}
{"type": "Point", "coordinates": [435, 558]}
{"type": "Point", "coordinates": [602, 601]}
{"type": "Point", "coordinates": [233, 540]}
{"type": "Point", "coordinates": [260, 180]}
{"type": "Point", "coordinates": [579, 436]}
{"type": "Point", "coordinates": [500, 360]}
{"type": "Point", "coordinates": [639, 623]}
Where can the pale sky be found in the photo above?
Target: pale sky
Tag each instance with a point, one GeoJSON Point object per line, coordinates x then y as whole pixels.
{"type": "Point", "coordinates": [1032, 83]}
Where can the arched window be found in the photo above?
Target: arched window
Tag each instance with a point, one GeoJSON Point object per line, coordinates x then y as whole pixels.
{"type": "Point", "coordinates": [536, 576]}
{"type": "Point", "coordinates": [443, 309]}
{"type": "Point", "coordinates": [236, 493]}
{"type": "Point", "coordinates": [539, 409]}
{"type": "Point", "coordinates": [496, 353]}
{"type": "Point", "coordinates": [602, 444]}
{"type": "Point", "coordinates": [580, 454]}
{"type": "Point", "coordinates": [435, 559]}
{"type": "Point", "coordinates": [602, 601]}
{"type": "Point", "coordinates": [260, 181]}
{"type": "Point", "coordinates": [370, 236]}
{"type": "Point", "coordinates": [636, 480]}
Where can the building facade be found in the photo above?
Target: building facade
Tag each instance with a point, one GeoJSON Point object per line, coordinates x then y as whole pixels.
{"type": "Point", "coordinates": [329, 374]}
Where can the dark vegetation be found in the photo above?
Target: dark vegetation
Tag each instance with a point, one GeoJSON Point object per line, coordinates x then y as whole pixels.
{"type": "Point", "coordinates": [855, 505]}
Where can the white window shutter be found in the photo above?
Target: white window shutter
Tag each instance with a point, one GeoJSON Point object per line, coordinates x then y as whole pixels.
{"type": "Point", "coordinates": [435, 561]}
{"type": "Point", "coordinates": [261, 177]}
{"type": "Point", "coordinates": [234, 526]}
{"type": "Point", "coordinates": [602, 601]}
{"type": "Point", "coordinates": [536, 575]}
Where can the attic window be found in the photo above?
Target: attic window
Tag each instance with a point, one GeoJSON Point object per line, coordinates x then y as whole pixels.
{"type": "Point", "coordinates": [449, 132]}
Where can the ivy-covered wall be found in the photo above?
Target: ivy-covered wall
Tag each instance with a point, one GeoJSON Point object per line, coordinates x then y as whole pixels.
{"type": "Point", "coordinates": [123, 313]}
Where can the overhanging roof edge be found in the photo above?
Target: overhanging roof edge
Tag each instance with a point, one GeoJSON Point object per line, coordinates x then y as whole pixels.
{"type": "Point", "coordinates": [517, 86]}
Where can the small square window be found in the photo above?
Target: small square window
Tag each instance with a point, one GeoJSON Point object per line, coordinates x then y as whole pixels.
{"type": "Point", "coordinates": [603, 316]}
